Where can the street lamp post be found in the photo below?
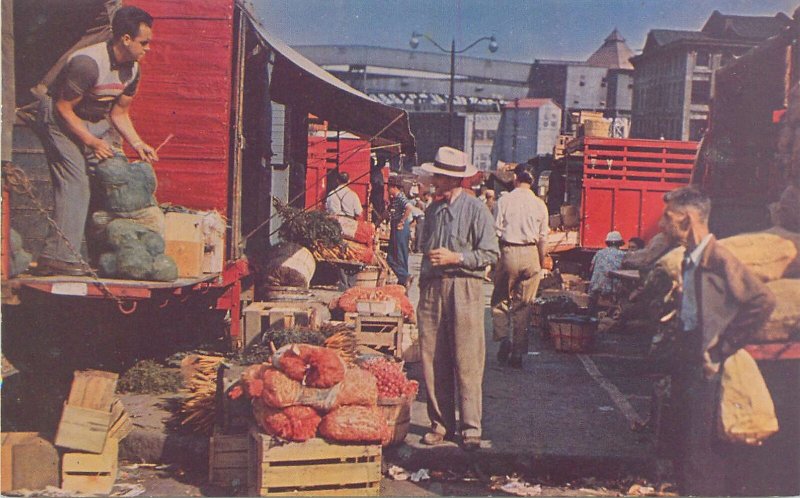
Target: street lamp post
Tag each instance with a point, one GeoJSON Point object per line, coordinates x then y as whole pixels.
{"type": "Point", "coordinates": [414, 42]}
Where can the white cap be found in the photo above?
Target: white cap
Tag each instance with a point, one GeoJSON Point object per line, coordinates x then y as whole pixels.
{"type": "Point", "coordinates": [614, 236]}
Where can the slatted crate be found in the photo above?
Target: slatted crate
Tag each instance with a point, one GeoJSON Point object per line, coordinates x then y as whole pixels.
{"type": "Point", "coordinates": [381, 332]}
{"type": "Point", "coordinates": [259, 316]}
{"type": "Point", "coordinates": [228, 460]}
{"type": "Point", "coordinates": [88, 473]}
{"type": "Point", "coordinates": [314, 467]}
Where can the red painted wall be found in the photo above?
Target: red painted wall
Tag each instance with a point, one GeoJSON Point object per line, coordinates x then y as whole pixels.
{"type": "Point", "coordinates": [186, 90]}
{"type": "Point", "coordinates": [354, 159]}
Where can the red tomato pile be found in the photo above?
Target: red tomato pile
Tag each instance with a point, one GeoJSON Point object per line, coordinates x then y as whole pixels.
{"type": "Point", "coordinates": [392, 381]}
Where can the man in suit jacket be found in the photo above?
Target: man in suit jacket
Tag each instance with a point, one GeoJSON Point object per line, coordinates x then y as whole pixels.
{"type": "Point", "coordinates": [722, 304]}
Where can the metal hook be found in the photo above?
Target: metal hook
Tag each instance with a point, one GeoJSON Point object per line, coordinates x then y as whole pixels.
{"type": "Point", "coordinates": [133, 306]}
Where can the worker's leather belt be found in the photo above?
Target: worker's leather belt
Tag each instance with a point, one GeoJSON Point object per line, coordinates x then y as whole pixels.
{"type": "Point", "coordinates": [503, 243]}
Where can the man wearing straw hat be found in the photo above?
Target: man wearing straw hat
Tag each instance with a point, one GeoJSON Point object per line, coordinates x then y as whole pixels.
{"type": "Point", "coordinates": [457, 242]}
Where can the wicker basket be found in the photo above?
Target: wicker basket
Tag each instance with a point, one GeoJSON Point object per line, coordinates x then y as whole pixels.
{"type": "Point", "coordinates": [539, 320]}
{"type": "Point", "coordinates": [397, 412]}
{"type": "Point", "coordinates": [572, 333]}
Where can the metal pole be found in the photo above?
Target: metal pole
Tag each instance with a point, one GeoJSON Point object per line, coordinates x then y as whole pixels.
{"type": "Point", "coordinates": [452, 91]}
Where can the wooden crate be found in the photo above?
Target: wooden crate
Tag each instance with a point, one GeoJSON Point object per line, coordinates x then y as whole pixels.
{"type": "Point", "coordinates": [380, 332]}
{"type": "Point", "coordinates": [314, 467]}
{"type": "Point", "coordinates": [28, 461]}
{"type": "Point", "coordinates": [411, 351]}
{"type": "Point", "coordinates": [278, 314]}
{"type": "Point", "coordinates": [228, 460]}
{"type": "Point", "coordinates": [350, 317]}
{"type": "Point", "coordinates": [87, 473]}
{"type": "Point", "coordinates": [183, 238]}
{"type": "Point", "coordinates": [87, 416]}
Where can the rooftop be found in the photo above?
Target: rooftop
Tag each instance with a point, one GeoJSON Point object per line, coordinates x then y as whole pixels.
{"type": "Point", "coordinates": [613, 54]}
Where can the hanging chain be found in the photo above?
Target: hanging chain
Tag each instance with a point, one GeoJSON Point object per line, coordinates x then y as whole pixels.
{"type": "Point", "coordinates": [20, 183]}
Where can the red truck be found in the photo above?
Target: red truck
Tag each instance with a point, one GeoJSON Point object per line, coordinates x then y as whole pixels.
{"type": "Point", "coordinates": [236, 101]}
{"type": "Point", "coordinates": [623, 181]}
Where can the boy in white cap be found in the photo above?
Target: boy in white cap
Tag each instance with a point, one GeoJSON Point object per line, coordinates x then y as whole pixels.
{"type": "Point", "coordinates": [458, 241]}
{"type": "Point", "coordinates": [604, 261]}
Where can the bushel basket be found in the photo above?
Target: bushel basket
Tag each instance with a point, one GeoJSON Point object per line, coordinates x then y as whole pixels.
{"type": "Point", "coordinates": [397, 412]}
{"type": "Point", "coordinates": [572, 333]}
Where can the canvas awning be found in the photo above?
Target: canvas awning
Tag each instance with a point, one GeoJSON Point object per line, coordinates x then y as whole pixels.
{"type": "Point", "coordinates": [299, 82]}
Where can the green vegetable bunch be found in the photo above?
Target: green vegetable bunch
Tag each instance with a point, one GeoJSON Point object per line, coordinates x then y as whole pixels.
{"type": "Point", "coordinates": [309, 229]}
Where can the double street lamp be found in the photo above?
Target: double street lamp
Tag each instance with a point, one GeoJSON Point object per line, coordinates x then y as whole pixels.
{"type": "Point", "coordinates": [414, 42]}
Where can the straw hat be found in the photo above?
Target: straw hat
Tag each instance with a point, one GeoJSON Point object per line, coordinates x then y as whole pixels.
{"type": "Point", "coordinates": [450, 162]}
{"type": "Point", "coordinates": [614, 236]}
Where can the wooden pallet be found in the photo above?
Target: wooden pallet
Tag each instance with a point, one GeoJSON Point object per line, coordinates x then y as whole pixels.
{"type": "Point", "coordinates": [314, 467]}
{"type": "Point", "coordinates": [380, 332]}
{"type": "Point", "coordinates": [228, 460]}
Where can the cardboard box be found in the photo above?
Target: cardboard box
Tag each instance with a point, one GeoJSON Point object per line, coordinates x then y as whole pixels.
{"type": "Point", "coordinates": [213, 227]}
{"type": "Point", "coordinates": [184, 243]}
{"type": "Point", "coordinates": [28, 461]}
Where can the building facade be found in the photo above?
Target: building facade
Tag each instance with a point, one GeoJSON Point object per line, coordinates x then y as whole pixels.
{"type": "Point", "coordinates": [480, 131]}
{"type": "Point", "coordinates": [674, 75]}
{"type": "Point", "coordinates": [602, 83]}
{"type": "Point", "coordinates": [528, 128]}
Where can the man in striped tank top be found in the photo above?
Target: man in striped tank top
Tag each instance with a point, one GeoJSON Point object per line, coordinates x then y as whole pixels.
{"type": "Point", "coordinates": [82, 120]}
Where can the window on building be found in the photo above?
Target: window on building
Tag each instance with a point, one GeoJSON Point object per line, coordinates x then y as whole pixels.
{"type": "Point", "coordinates": [701, 92]}
{"type": "Point", "coordinates": [702, 59]}
{"type": "Point", "coordinates": [490, 134]}
{"type": "Point", "coordinates": [478, 135]}
{"type": "Point", "coordinates": [697, 128]}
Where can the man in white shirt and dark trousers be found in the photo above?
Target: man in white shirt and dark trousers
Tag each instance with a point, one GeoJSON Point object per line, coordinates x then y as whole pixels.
{"type": "Point", "coordinates": [522, 227]}
{"type": "Point", "coordinates": [342, 201]}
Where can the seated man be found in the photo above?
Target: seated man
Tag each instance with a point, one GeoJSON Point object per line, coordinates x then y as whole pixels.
{"type": "Point", "coordinates": [644, 259]}
{"type": "Point", "coordinates": [604, 261]}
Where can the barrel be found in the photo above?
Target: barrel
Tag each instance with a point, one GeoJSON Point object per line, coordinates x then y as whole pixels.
{"type": "Point", "coordinates": [290, 265]}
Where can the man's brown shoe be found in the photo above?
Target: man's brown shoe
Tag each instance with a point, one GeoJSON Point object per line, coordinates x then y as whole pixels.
{"type": "Point", "coordinates": [433, 439]}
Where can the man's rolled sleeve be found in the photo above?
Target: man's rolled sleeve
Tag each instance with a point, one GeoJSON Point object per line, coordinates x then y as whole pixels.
{"type": "Point", "coordinates": [487, 249]}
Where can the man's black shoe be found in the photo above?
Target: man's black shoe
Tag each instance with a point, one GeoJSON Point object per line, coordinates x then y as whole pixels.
{"type": "Point", "coordinates": [515, 362]}
{"type": "Point", "coordinates": [504, 350]}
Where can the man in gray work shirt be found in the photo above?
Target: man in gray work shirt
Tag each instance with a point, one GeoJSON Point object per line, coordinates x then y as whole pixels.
{"type": "Point", "coordinates": [458, 241]}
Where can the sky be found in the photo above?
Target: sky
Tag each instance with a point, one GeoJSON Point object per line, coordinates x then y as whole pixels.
{"type": "Point", "coordinates": [525, 29]}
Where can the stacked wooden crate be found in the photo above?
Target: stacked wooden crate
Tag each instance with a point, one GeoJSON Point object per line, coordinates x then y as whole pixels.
{"type": "Point", "coordinates": [260, 316]}
{"type": "Point", "coordinates": [314, 467]}
{"type": "Point", "coordinates": [92, 424]}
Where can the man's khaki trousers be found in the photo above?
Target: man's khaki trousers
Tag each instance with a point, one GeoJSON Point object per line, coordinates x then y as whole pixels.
{"type": "Point", "coordinates": [451, 334]}
{"type": "Point", "coordinates": [515, 284]}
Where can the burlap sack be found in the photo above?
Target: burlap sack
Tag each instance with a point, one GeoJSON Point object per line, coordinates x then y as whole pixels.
{"type": "Point", "coordinates": [746, 412]}
{"type": "Point", "coordinates": [784, 322]}
{"type": "Point", "coordinates": [151, 217]}
{"type": "Point", "coordinates": [768, 255]}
